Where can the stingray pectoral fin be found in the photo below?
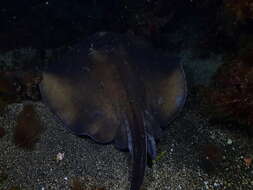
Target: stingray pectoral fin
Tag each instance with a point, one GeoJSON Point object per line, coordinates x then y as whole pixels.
{"type": "Point", "coordinates": [137, 142]}
{"type": "Point", "coordinates": [79, 106]}
{"type": "Point", "coordinates": [167, 95]}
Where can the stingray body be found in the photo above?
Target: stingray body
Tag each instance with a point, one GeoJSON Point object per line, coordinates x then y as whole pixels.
{"type": "Point", "coordinates": [116, 89]}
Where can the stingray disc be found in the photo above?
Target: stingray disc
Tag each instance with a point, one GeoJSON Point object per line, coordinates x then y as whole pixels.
{"type": "Point", "coordinates": [110, 84]}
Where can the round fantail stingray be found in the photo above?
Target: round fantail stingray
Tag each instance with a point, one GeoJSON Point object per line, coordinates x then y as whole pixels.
{"type": "Point", "coordinates": [118, 89]}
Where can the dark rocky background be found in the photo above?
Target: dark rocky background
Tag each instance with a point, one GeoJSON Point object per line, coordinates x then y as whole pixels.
{"type": "Point", "coordinates": [208, 147]}
{"type": "Point", "coordinates": [53, 23]}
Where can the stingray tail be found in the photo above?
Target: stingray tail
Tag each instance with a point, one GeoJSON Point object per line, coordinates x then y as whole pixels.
{"type": "Point", "coordinates": [137, 136]}
{"type": "Point", "coordinates": [137, 143]}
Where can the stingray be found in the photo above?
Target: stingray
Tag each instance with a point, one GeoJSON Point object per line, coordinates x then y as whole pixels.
{"type": "Point", "coordinates": [118, 89]}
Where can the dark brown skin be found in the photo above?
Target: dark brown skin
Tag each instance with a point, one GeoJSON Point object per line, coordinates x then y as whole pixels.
{"type": "Point", "coordinates": [114, 89]}
{"type": "Point", "coordinates": [135, 119]}
{"type": "Point", "coordinates": [117, 89]}
{"type": "Point", "coordinates": [139, 147]}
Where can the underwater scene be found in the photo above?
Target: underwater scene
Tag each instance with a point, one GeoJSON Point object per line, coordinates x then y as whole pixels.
{"type": "Point", "coordinates": [126, 95]}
